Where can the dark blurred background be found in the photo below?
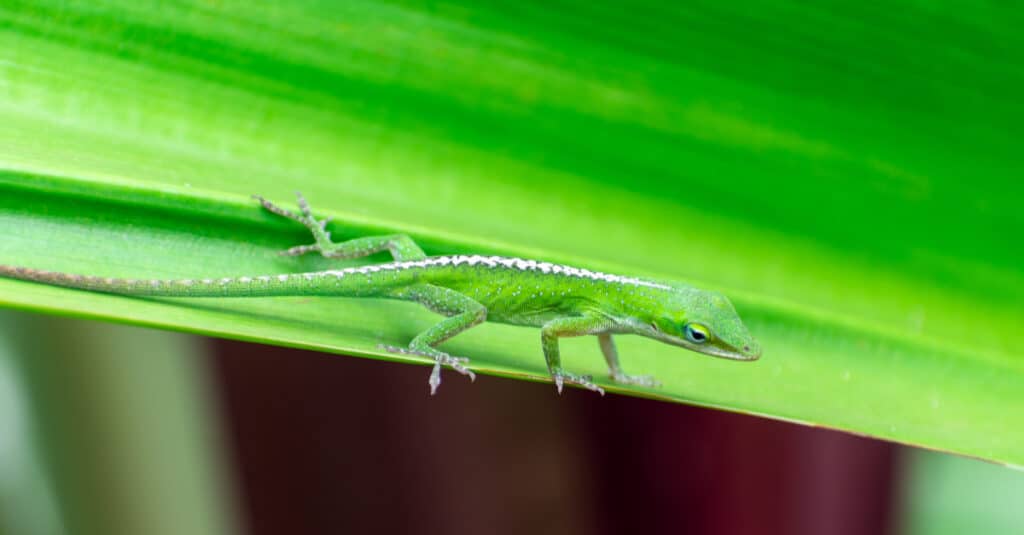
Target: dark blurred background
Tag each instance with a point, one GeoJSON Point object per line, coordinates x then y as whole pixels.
{"type": "Point", "coordinates": [110, 429]}
{"type": "Point", "coordinates": [324, 444]}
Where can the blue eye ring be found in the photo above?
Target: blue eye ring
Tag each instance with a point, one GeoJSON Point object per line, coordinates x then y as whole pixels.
{"type": "Point", "coordinates": [697, 333]}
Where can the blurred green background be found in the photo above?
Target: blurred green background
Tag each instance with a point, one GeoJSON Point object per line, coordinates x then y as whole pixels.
{"type": "Point", "coordinates": [847, 173]}
{"type": "Point", "coordinates": [108, 429]}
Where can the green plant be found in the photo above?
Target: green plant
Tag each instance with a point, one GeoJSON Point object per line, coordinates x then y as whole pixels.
{"type": "Point", "coordinates": [848, 177]}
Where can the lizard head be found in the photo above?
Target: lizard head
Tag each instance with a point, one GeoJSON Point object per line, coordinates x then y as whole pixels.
{"type": "Point", "coordinates": [705, 322]}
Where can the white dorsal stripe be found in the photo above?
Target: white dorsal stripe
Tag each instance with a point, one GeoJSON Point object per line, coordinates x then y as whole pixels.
{"type": "Point", "coordinates": [491, 262]}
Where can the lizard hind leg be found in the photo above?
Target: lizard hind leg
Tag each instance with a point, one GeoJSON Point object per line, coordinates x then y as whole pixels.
{"type": "Point", "coordinates": [400, 246]}
{"type": "Point", "coordinates": [463, 313]}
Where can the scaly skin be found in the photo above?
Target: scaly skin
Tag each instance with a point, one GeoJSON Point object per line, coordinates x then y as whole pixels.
{"type": "Point", "coordinates": [563, 301]}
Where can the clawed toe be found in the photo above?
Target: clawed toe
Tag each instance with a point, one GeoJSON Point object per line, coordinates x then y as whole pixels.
{"type": "Point", "coordinates": [299, 250]}
{"type": "Point", "coordinates": [636, 380]}
{"type": "Point", "coordinates": [584, 381]}
{"type": "Point", "coordinates": [304, 216]}
{"type": "Point", "coordinates": [440, 359]}
{"type": "Point", "coordinates": [275, 209]}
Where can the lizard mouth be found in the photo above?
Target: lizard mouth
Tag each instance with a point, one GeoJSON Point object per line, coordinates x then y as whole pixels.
{"type": "Point", "coordinates": [747, 353]}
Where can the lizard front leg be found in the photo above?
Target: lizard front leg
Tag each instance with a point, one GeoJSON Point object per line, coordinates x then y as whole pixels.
{"type": "Point", "coordinates": [611, 356]}
{"type": "Point", "coordinates": [400, 246]}
{"type": "Point", "coordinates": [569, 326]}
{"type": "Point", "coordinates": [463, 313]}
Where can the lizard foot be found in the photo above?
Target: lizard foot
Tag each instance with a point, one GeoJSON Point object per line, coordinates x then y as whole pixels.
{"type": "Point", "coordinates": [637, 380]}
{"type": "Point", "coordinates": [586, 381]}
{"type": "Point", "coordinates": [318, 227]}
{"type": "Point", "coordinates": [440, 359]}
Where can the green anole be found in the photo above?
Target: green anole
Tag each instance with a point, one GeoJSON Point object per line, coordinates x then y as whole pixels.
{"type": "Point", "coordinates": [468, 290]}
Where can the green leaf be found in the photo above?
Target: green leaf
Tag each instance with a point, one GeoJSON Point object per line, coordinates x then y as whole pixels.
{"type": "Point", "coordinates": [850, 177]}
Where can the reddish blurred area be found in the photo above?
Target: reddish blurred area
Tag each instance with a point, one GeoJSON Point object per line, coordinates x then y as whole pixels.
{"type": "Point", "coordinates": [327, 444]}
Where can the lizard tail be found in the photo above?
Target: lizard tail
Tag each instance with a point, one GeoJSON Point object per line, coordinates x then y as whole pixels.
{"type": "Point", "coordinates": [338, 283]}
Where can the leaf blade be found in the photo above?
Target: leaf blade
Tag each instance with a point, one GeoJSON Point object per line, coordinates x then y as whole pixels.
{"type": "Point", "coordinates": [886, 301]}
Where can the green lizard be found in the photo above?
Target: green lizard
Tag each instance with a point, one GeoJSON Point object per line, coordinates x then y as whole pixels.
{"type": "Point", "coordinates": [468, 290]}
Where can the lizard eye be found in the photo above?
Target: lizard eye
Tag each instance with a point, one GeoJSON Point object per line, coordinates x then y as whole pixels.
{"type": "Point", "coordinates": [697, 333]}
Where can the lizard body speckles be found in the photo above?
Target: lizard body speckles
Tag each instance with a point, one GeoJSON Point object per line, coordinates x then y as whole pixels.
{"type": "Point", "coordinates": [470, 289]}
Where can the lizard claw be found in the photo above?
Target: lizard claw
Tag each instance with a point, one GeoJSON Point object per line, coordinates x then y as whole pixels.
{"type": "Point", "coordinates": [456, 363]}
{"type": "Point", "coordinates": [586, 381]}
{"type": "Point", "coordinates": [435, 378]}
